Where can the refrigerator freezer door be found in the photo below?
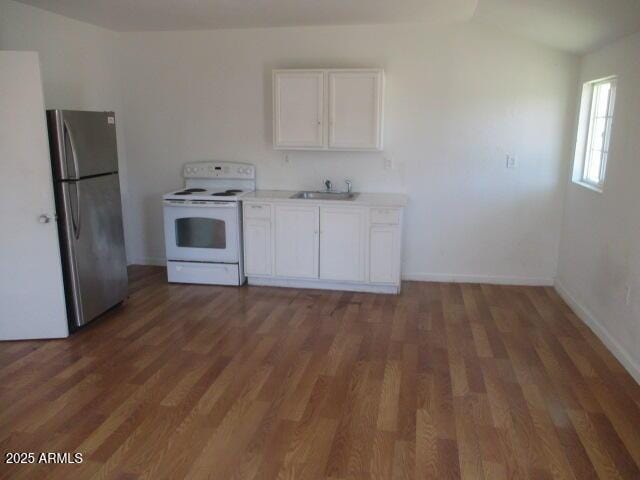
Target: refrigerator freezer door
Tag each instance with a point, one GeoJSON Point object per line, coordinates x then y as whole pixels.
{"type": "Point", "coordinates": [96, 266]}
{"type": "Point", "coordinates": [82, 143]}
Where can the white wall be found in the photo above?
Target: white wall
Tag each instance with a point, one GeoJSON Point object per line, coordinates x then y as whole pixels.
{"type": "Point", "coordinates": [600, 250]}
{"type": "Point", "coordinates": [458, 98]}
{"type": "Point", "coordinates": [77, 61]}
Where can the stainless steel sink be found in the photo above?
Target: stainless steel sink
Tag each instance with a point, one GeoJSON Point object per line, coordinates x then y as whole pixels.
{"type": "Point", "coordinates": [325, 195]}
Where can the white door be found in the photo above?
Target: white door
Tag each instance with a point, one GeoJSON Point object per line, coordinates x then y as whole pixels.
{"type": "Point", "coordinates": [298, 109]}
{"type": "Point", "coordinates": [257, 246]}
{"type": "Point", "coordinates": [342, 245]}
{"type": "Point", "coordinates": [31, 290]}
{"type": "Point", "coordinates": [296, 241]}
{"type": "Point", "coordinates": [355, 110]}
{"type": "Point", "coordinates": [384, 258]}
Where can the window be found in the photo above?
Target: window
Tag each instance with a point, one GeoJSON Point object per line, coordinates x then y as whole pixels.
{"type": "Point", "coordinates": [594, 132]}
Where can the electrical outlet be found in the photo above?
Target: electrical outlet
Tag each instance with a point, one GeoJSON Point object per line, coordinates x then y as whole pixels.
{"type": "Point", "coordinates": [286, 158]}
{"type": "Point", "coordinates": [388, 164]}
{"type": "Point", "coordinates": [512, 161]}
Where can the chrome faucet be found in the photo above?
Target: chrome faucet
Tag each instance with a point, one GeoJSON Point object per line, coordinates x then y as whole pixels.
{"type": "Point", "coordinates": [328, 185]}
{"type": "Point", "coordinates": [349, 184]}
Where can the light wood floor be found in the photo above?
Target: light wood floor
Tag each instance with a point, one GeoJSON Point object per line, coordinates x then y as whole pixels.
{"type": "Point", "coordinates": [442, 381]}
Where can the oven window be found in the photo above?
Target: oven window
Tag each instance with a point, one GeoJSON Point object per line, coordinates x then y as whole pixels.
{"type": "Point", "coordinates": [197, 232]}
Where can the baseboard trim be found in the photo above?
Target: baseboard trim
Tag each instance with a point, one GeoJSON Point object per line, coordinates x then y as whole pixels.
{"type": "Point", "coordinates": [322, 285]}
{"type": "Point", "coordinates": [419, 277]}
{"type": "Point", "coordinates": [600, 331]}
{"type": "Point", "coordinates": [489, 279]}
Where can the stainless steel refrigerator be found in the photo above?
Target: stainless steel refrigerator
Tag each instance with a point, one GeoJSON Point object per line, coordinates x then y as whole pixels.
{"type": "Point", "coordinates": [87, 189]}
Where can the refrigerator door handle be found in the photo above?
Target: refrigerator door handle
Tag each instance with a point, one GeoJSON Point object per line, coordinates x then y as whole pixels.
{"type": "Point", "coordinates": [70, 259]}
{"type": "Point", "coordinates": [76, 223]}
{"type": "Point", "coordinates": [67, 133]}
{"type": "Point", "coordinates": [74, 211]}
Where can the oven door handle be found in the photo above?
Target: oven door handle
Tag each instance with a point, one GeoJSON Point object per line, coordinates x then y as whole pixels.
{"type": "Point", "coordinates": [201, 204]}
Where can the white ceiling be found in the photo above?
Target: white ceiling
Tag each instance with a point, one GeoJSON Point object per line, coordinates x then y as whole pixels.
{"type": "Point", "coordinates": [134, 15]}
{"type": "Point", "coordinates": [577, 26]}
{"type": "Point", "coordinates": [573, 25]}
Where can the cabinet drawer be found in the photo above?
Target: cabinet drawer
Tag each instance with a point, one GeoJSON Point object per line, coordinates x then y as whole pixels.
{"type": "Point", "coordinates": [257, 210]}
{"type": "Point", "coordinates": [385, 216]}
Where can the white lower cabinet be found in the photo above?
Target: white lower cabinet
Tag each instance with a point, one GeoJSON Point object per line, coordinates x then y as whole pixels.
{"type": "Point", "coordinates": [257, 247]}
{"type": "Point", "coordinates": [296, 241]}
{"type": "Point", "coordinates": [342, 243]}
{"type": "Point", "coordinates": [384, 265]}
{"type": "Point", "coordinates": [323, 246]}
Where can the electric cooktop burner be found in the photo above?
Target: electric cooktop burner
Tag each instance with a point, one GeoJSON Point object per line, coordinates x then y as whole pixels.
{"type": "Point", "coordinates": [189, 191]}
{"type": "Point", "coordinates": [227, 193]}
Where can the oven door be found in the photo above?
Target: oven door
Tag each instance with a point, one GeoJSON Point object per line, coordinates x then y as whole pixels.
{"type": "Point", "coordinates": [202, 231]}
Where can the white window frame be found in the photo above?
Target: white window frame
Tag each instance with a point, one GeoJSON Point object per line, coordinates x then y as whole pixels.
{"type": "Point", "coordinates": [584, 139]}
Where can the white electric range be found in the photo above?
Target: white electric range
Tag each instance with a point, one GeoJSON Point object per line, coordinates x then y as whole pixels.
{"type": "Point", "coordinates": [203, 223]}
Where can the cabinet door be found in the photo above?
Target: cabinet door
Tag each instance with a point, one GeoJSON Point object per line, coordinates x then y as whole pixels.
{"type": "Point", "coordinates": [257, 247]}
{"type": "Point", "coordinates": [296, 241]}
{"type": "Point", "coordinates": [342, 245]}
{"type": "Point", "coordinates": [298, 99]}
{"type": "Point", "coordinates": [355, 110]}
{"type": "Point", "coordinates": [384, 254]}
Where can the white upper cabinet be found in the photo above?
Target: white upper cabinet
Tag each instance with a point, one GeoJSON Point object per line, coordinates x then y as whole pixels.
{"type": "Point", "coordinates": [336, 109]}
{"type": "Point", "coordinates": [355, 110]}
{"type": "Point", "coordinates": [298, 103]}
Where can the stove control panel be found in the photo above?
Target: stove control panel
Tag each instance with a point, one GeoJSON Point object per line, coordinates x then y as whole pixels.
{"type": "Point", "coordinates": [229, 170]}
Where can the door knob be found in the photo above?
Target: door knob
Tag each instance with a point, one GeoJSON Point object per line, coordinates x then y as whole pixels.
{"type": "Point", "coordinates": [44, 218]}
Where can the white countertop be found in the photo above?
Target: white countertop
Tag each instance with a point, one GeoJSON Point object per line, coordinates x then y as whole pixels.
{"type": "Point", "coordinates": [362, 199]}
